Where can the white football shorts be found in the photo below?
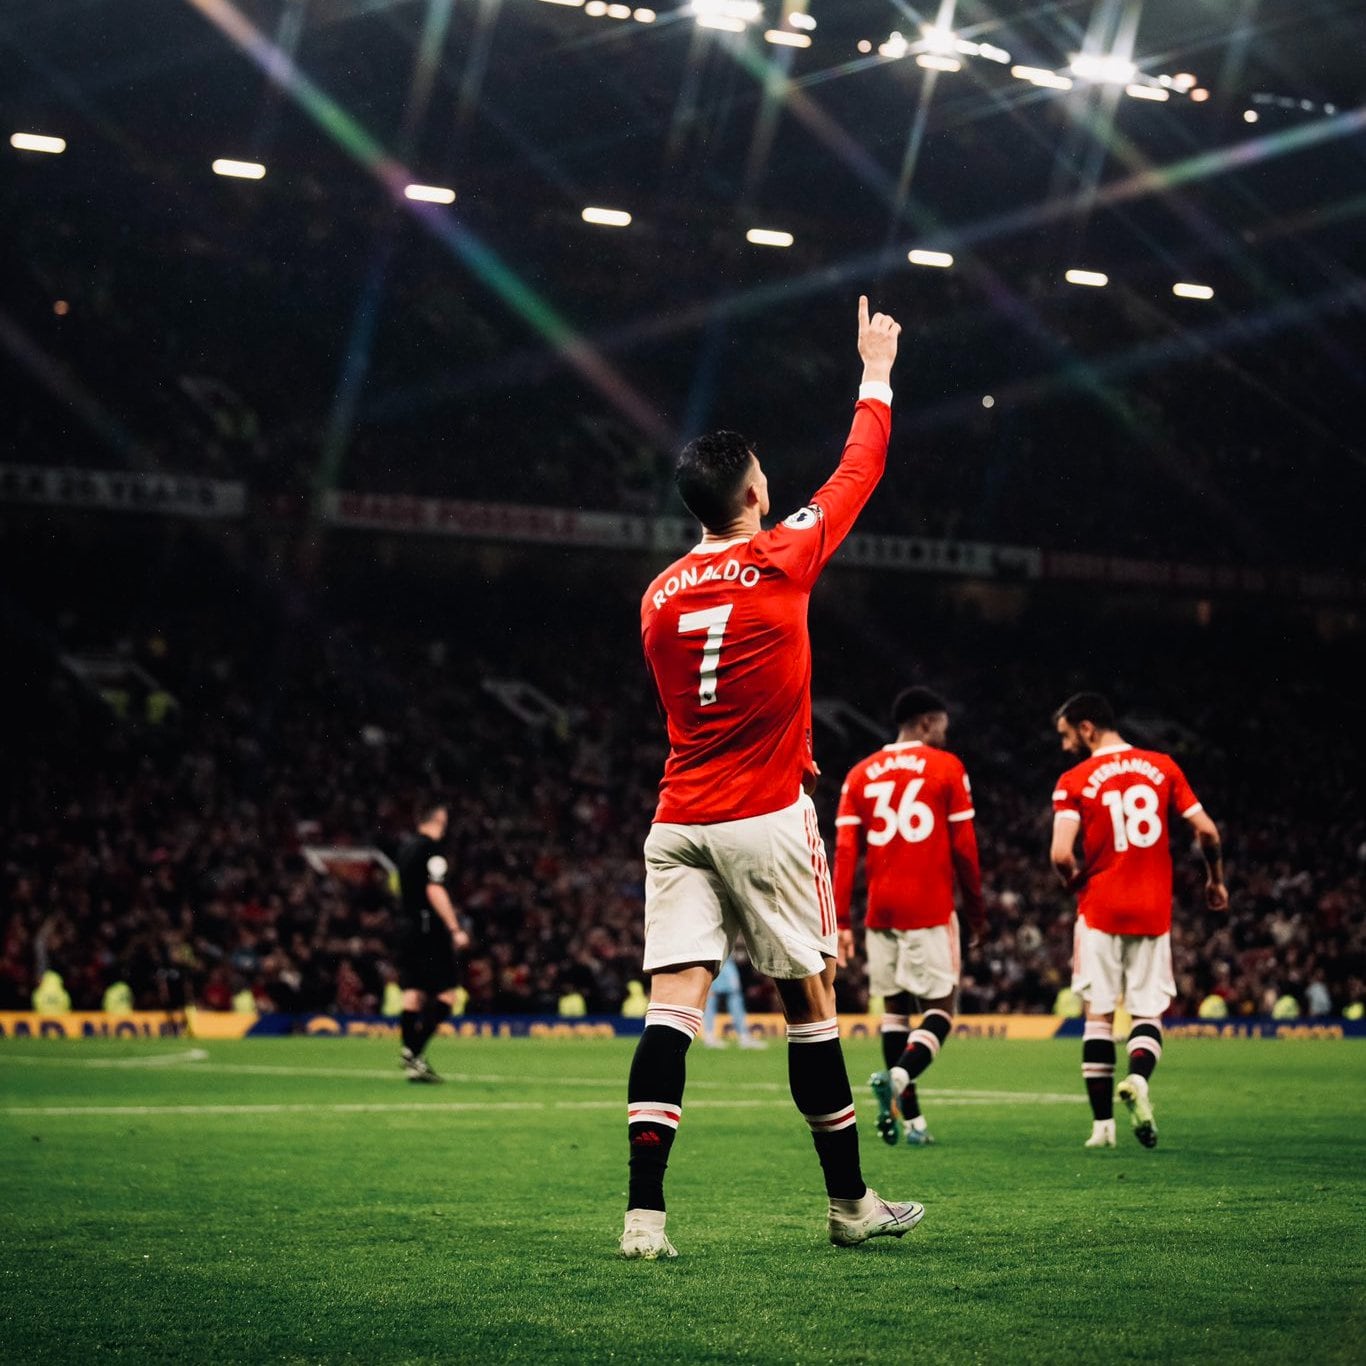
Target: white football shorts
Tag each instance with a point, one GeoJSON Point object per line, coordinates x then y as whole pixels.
{"type": "Point", "coordinates": [924, 963]}
{"type": "Point", "coordinates": [764, 877]}
{"type": "Point", "coordinates": [1133, 968]}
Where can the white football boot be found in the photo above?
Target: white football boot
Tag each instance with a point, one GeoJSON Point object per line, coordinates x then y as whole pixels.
{"type": "Point", "coordinates": [1133, 1091]}
{"type": "Point", "coordinates": [855, 1221]}
{"type": "Point", "coordinates": [644, 1238]}
{"type": "Point", "coordinates": [1102, 1134]}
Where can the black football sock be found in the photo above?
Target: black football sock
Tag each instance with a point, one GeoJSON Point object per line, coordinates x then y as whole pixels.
{"type": "Point", "coordinates": [409, 1028]}
{"type": "Point", "coordinates": [1098, 1067]}
{"type": "Point", "coordinates": [820, 1087]}
{"type": "Point", "coordinates": [1145, 1047]}
{"type": "Point", "coordinates": [654, 1099]}
{"type": "Point", "coordinates": [433, 1014]}
{"type": "Point", "coordinates": [922, 1048]}
{"type": "Point", "coordinates": [896, 1029]}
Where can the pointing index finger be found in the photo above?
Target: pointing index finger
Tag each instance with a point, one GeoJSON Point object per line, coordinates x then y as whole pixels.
{"type": "Point", "coordinates": [863, 310]}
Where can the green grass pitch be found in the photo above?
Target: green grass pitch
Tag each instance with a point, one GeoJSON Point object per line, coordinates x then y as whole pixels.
{"type": "Point", "coordinates": [296, 1200]}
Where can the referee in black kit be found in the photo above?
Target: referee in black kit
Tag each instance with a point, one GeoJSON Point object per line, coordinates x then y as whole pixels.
{"type": "Point", "coordinates": [429, 938]}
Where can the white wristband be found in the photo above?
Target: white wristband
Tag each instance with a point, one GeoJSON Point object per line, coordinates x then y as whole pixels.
{"type": "Point", "coordinates": [875, 388]}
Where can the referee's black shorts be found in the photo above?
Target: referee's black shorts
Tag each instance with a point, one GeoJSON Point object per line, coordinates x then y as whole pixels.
{"type": "Point", "coordinates": [426, 960]}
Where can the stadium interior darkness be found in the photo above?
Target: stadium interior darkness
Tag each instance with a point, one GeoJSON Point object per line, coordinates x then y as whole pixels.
{"type": "Point", "coordinates": [274, 677]}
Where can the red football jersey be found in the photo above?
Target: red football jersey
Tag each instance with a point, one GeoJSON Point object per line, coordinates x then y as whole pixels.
{"type": "Point", "coordinates": [900, 807]}
{"type": "Point", "coordinates": [1127, 801]}
{"type": "Point", "coordinates": [725, 637]}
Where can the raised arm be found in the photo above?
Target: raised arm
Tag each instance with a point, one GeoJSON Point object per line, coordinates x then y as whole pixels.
{"type": "Point", "coordinates": [801, 545]}
{"type": "Point", "coordinates": [1207, 835]}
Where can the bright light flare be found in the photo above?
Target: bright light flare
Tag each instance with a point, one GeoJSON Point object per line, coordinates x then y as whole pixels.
{"type": "Point", "coordinates": [1094, 278]}
{"type": "Point", "coordinates": [731, 16]}
{"type": "Point", "coordinates": [1199, 94]}
{"type": "Point", "coordinates": [37, 142]}
{"type": "Point", "coordinates": [1038, 75]}
{"type": "Point", "coordinates": [429, 194]}
{"type": "Point", "coordinates": [937, 39]}
{"type": "Point", "coordinates": [780, 37]}
{"type": "Point", "coordinates": [573, 4]}
{"type": "Point", "coordinates": [932, 61]}
{"type": "Point", "coordinates": [607, 218]}
{"type": "Point", "coordinates": [993, 53]}
{"type": "Point", "coordinates": [1185, 291]}
{"type": "Point", "coordinates": [799, 20]}
{"type": "Point", "coordinates": [644, 16]}
{"type": "Point", "coordinates": [1250, 116]}
{"type": "Point", "coordinates": [239, 170]}
{"type": "Point", "coordinates": [940, 259]}
{"type": "Point", "coordinates": [1146, 92]}
{"type": "Point", "coordinates": [1102, 70]}
{"type": "Point", "coordinates": [769, 237]}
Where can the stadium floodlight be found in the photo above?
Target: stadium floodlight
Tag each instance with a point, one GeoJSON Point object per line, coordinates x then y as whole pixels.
{"type": "Point", "coordinates": [238, 170]}
{"type": "Point", "coordinates": [993, 53]}
{"type": "Point", "coordinates": [595, 9]}
{"type": "Point", "coordinates": [618, 11]}
{"type": "Point", "coordinates": [730, 16]}
{"type": "Point", "coordinates": [769, 237]}
{"type": "Point", "coordinates": [429, 194]}
{"type": "Point", "coordinates": [988, 401]}
{"type": "Point", "coordinates": [1102, 70]}
{"type": "Point", "coordinates": [37, 142]}
{"type": "Point", "coordinates": [932, 61]}
{"type": "Point", "coordinates": [644, 16]}
{"type": "Point", "coordinates": [1146, 92]}
{"type": "Point", "coordinates": [780, 37]}
{"type": "Point", "coordinates": [1199, 94]}
{"type": "Point", "coordinates": [799, 20]}
{"type": "Point", "coordinates": [1038, 75]}
{"type": "Point", "coordinates": [573, 4]}
{"type": "Point", "coordinates": [1094, 278]}
{"type": "Point", "coordinates": [934, 38]}
{"type": "Point", "coordinates": [1183, 81]}
{"type": "Point", "coordinates": [896, 45]}
{"type": "Point", "coordinates": [941, 259]}
{"type": "Point", "coordinates": [1184, 291]}
{"type": "Point", "coordinates": [607, 218]}
{"type": "Point", "coordinates": [1250, 116]}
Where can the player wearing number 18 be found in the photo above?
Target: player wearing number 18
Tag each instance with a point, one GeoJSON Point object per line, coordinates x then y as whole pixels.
{"type": "Point", "coordinates": [735, 847]}
{"type": "Point", "coordinates": [1124, 803]}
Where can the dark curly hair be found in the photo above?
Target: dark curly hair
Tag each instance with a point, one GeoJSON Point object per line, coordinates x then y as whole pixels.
{"type": "Point", "coordinates": [710, 475]}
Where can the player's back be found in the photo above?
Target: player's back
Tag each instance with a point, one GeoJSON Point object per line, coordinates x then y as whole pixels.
{"type": "Point", "coordinates": [1128, 800]}
{"type": "Point", "coordinates": [903, 799]}
{"type": "Point", "coordinates": [725, 635]}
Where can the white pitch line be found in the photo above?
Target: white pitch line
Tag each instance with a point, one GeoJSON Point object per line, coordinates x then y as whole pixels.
{"type": "Point", "coordinates": [947, 1096]}
{"type": "Point", "coordinates": [434, 1107]}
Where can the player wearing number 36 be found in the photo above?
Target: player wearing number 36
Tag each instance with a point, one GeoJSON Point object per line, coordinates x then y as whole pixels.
{"type": "Point", "coordinates": [735, 847]}
{"type": "Point", "coordinates": [1124, 803]}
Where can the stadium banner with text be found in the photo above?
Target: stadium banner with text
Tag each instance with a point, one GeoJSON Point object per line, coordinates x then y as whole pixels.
{"type": "Point", "coordinates": [620, 531]}
{"type": "Point", "coordinates": [92, 1024]}
{"type": "Point", "coordinates": [222, 1024]}
{"type": "Point", "coordinates": [519, 522]}
{"type": "Point", "coordinates": [166, 495]}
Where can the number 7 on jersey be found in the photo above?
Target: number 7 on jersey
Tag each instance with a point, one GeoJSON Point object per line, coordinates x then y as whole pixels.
{"type": "Point", "coordinates": [713, 622]}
